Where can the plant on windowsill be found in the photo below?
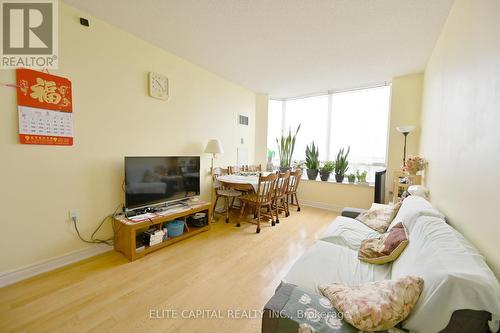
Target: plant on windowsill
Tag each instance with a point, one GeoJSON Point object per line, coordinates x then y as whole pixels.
{"type": "Point", "coordinates": [341, 164]}
{"type": "Point", "coordinates": [326, 170]}
{"type": "Point", "coordinates": [351, 178]}
{"type": "Point", "coordinates": [269, 165]}
{"type": "Point", "coordinates": [312, 161]}
{"type": "Point", "coordinates": [298, 165]}
{"type": "Point", "coordinates": [286, 145]}
{"type": "Point", "coordinates": [361, 176]}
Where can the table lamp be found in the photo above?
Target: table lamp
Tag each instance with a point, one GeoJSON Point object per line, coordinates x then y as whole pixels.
{"type": "Point", "coordinates": [213, 147]}
{"type": "Point", "coordinates": [405, 130]}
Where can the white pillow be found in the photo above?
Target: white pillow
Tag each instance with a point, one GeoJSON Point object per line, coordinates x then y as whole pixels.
{"type": "Point", "coordinates": [419, 191]}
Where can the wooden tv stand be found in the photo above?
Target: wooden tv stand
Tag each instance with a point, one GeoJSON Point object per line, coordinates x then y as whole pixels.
{"type": "Point", "coordinates": [125, 230]}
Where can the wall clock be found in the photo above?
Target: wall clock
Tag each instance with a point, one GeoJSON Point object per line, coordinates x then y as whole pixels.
{"type": "Point", "coordinates": [158, 86]}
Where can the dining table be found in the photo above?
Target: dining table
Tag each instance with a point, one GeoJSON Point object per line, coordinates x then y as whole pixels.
{"type": "Point", "coordinates": [241, 181]}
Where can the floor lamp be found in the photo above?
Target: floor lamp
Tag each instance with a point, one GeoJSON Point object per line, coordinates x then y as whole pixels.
{"type": "Point", "coordinates": [213, 147]}
{"type": "Point", "coordinates": [405, 130]}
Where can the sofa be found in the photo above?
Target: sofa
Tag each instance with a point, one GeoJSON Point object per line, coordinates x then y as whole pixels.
{"type": "Point", "coordinates": [461, 293]}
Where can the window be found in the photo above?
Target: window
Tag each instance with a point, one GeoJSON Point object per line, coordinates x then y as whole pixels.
{"type": "Point", "coordinates": [356, 119]}
{"type": "Point", "coordinates": [311, 113]}
{"type": "Point", "coordinates": [274, 119]}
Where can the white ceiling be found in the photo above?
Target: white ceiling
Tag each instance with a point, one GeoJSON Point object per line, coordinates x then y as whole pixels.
{"type": "Point", "coordinates": [287, 47]}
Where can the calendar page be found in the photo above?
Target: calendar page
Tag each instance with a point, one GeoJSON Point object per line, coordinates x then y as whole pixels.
{"type": "Point", "coordinates": [45, 127]}
{"type": "Point", "coordinates": [45, 108]}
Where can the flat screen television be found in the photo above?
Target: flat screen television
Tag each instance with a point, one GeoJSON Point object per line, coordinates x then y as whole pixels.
{"type": "Point", "coordinates": [154, 180]}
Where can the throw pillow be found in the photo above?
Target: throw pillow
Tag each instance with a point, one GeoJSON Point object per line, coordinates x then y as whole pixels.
{"type": "Point", "coordinates": [419, 190]}
{"type": "Point", "coordinates": [384, 248]}
{"type": "Point", "coordinates": [375, 306]}
{"type": "Point", "coordinates": [379, 219]}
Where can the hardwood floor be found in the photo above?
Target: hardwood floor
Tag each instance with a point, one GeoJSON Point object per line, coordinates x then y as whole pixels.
{"type": "Point", "coordinates": [224, 270]}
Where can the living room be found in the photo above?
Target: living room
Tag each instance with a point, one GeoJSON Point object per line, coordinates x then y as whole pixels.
{"type": "Point", "coordinates": [222, 166]}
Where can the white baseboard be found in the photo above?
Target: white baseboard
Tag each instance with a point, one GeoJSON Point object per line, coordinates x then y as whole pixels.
{"type": "Point", "coordinates": [322, 205]}
{"type": "Point", "coordinates": [25, 272]}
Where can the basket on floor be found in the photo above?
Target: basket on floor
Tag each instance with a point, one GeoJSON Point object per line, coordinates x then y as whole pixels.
{"type": "Point", "coordinates": [175, 228]}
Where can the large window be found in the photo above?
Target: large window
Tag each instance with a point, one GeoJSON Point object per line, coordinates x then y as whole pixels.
{"type": "Point", "coordinates": [275, 117]}
{"type": "Point", "coordinates": [311, 114]}
{"type": "Point", "coordinates": [356, 119]}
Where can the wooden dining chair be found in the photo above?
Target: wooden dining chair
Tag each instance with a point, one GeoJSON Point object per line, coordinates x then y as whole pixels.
{"type": "Point", "coordinates": [293, 185]}
{"type": "Point", "coordinates": [254, 168]}
{"type": "Point", "coordinates": [234, 169]}
{"type": "Point", "coordinates": [221, 191]}
{"type": "Point", "coordinates": [260, 199]}
{"type": "Point", "coordinates": [280, 198]}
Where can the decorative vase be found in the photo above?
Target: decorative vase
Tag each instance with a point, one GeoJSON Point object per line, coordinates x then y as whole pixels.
{"type": "Point", "coordinates": [325, 176]}
{"type": "Point", "coordinates": [312, 174]}
{"type": "Point", "coordinates": [339, 178]}
{"type": "Point", "coordinates": [285, 168]}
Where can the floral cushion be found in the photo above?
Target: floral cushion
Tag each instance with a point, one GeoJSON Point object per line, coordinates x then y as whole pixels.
{"type": "Point", "coordinates": [375, 306]}
{"type": "Point", "coordinates": [384, 248]}
{"type": "Point", "coordinates": [298, 310]}
{"type": "Point", "coordinates": [379, 218]}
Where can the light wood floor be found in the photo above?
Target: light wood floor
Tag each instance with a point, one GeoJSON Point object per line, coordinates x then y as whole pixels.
{"type": "Point", "coordinates": [224, 269]}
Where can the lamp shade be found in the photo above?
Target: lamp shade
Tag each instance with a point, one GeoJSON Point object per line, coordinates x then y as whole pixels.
{"type": "Point", "coordinates": [405, 129]}
{"type": "Point", "coordinates": [214, 147]}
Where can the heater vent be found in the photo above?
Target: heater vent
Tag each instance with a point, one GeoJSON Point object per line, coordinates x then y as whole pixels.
{"type": "Point", "coordinates": [243, 120]}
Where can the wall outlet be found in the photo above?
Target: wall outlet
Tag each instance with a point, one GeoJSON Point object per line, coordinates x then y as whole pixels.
{"type": "Point", "coordinates": [73, 215]}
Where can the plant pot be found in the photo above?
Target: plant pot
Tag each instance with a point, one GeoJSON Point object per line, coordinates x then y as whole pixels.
{"type": "Point", "coordinates": [312, 174]}
{"type": "Point", "coordinates": [351, 181]}
{"type": "Point", "coordinates": [339, 178]}
{"type": "Point", "coordinates": [285, 169]}
{"type": "Point", "coordinates": [325, 176]}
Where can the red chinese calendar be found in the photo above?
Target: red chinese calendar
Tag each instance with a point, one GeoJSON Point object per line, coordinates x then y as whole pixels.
{"type": "Point", "coordinates": [45, 108]}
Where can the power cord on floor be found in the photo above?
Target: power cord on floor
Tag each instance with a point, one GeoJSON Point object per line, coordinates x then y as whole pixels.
{"type": "Point", "coordinates": [92, 239]}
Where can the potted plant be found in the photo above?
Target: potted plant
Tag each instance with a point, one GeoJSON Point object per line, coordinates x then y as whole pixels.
{"type": "Point", "coordinates": [351, 178]}
{"type": "Point", "coordinates": [326, 170]}
{"type": "Point", "coordinates": [298, 165]}
{"type": "Point", "coordinates": [312, 161]}
{"type": "Point", "coordinates": [361, 176]}
{"type": "Point", "coordinates": [286, 145]}
{"type": "Point", "coordinates": [270, 156]}
{"type": "Point", "coordinates": [341, 164]}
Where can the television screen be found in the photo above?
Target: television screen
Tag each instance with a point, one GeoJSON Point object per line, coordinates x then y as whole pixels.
{"type": "Point", "coordinates": [153, 180]}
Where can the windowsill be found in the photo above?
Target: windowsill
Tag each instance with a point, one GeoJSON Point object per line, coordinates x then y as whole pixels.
{"type": "Point", "coordinates": [345, 183]}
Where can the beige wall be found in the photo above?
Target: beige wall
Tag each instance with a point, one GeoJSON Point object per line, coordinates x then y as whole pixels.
{"type": "Point", "coordinates": [261, 105]}
{"type": "Point", "coordinates": [332, 196]}
{"type": "Point", "coordinates": [461, 113]}
{"type": "Point", "coordinates": [406, 106]}
{"type": "Point", "coordinates": [113, 117]}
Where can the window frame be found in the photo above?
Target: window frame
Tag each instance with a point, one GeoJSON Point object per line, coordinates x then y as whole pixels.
{"type": "Point", "coordinates": [330, 111]}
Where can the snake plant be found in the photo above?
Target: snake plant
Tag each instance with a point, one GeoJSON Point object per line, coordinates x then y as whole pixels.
{"type": "Point", "coordinates": [341, 162]}
{"type": "Point", "coordinates": [312, 157]}
{"type": "Point", "coordinates": [286, 145]}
